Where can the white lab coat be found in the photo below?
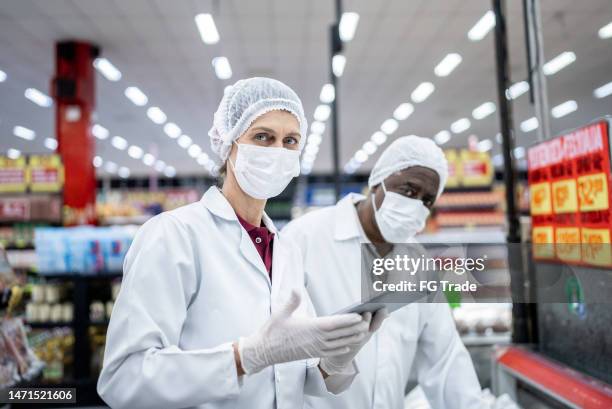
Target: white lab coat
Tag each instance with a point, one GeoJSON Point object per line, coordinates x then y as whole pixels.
{"type": "Point", "coordinates": [417, 339]}
{"type": "Point", "coordinates": [194, 283]}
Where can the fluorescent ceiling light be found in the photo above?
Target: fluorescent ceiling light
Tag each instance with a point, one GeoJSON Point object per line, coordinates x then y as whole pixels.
{"type": "Point", "coordinates": [485, 145]}
{"type": "Point", "coordinates": [160, 165]}
{"type": "Point", "coordinates": [97, 161]}
{"type": "Point", "coordinates": [348, 26]}
{"type": "Point", "coordinates": [482, 27]}
{"type": "Point", "coordinates": [328, 93]}
{"type": "Point", "coordinates": [369, 147]}
{"type": "Point", "coordinates": [38, 97]}
{"type": "Point", "coordinates": [194, 151]}
{"type": "Point", "coordinates": [558, 63]}
{"type": "Point", "coordinates": [530, 124]}
{"type": "Point", "coordinates": [110, 167]}
{"type": "Point", "coordinates": [516, 90]}
{"type": "Point", "coordinates": [135, 152]}
{"type": "Point", "coordinates": [123, 172]}
{"type": "Point", "coordinates": [361, 156]}
{"type": "Point", "coordinates": [603, 91]}
{"type": "Point", "coordinates": [222, 67]}
{"type": "Point", "coordinates": [207, 28]}
{"type": "Point", "coordinates": [135, 95]}
{"type": "Point", "coordinates": [447, 65]}
{"type": "Point", "coordinates": [2, 76]}
{"type": "Point", "coordinates": [184, 141]}
{"type": "Point", "coordinates": [148, 159]}
{"type": "Point", "coordinates": [564, 109]}
{"type": "Point", "coordinates": [604, 33]}
{"type": "Point", "coordinates": [484, 110]}
{"type": "Point", "coordinates": [311, 149]}
{"type": "Point", "coordinates": [460, 125]}
{"type": "Point", "coordinates": [170, 172]}
{"type": "Point", "coordinates": [442, 137]}
{"type": "Point", "coordinates": [203, 159]}
{"type": "Point", "coordinates": [322, 113]}
{"type": "Point", "coordinates": [378, 138]}
{"type": "Point", "coordinates": [13, 153]}
{"type": "Point", "coordinates": [172, 130]}
{"type": "Point", "coordinates": [156, 115]}
{"type": "Point", "coordinates": [317, 127]}
{"type": "Point", "coordinates": [51, 144]}
{"type": "Point", "coordinates": [338, 64]}
{"type": "Point", "coordinates": [119, 143]}
{"type": "Point", "coordinates": [403, 111]}
{"type": "Point", "coordinates": [100, 132]}
{"type": "Point", "coordinates": [389, 126]}
{"type": "Point", "coordinates": [315, 139]}
{"type": "Point", "coordinates": [108, 70]}
{"type": "Point", "coordinates": [422, 92]}
{"type": "Point", "coordinates": [24, 133]}
{"type": "Point", "coordinates": [519, 152]}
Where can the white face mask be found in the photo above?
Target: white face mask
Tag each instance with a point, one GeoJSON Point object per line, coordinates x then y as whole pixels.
{"type": "Point", "coordinates": [399, 218]}
{"type": "Point", "coordinates": [264, 172]}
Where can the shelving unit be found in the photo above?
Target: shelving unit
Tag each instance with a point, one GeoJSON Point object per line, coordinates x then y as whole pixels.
{"type": "Point", "coordinates": [82, 376]}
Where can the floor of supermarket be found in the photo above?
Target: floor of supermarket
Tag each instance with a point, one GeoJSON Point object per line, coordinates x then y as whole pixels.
{"type": "Point", "coordinates": [113, 112]}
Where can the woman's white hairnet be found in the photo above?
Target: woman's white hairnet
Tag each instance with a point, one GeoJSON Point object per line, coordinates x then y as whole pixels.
{"type": "Point", "coordinates": [243, 103]}
{"type": "Point", "coordinates": [406, 152]}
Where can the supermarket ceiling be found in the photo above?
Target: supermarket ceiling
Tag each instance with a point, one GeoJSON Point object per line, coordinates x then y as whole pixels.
{"type": "Point", "coordinates": [156, 46]}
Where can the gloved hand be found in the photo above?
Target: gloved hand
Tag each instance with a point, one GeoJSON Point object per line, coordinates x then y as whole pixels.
{"type": "Point", "coordinates": [339, 363]}
{"type": "Point", "coordinates": [285, 338]}
{"type": "Point", "coordinates": [501, 402]}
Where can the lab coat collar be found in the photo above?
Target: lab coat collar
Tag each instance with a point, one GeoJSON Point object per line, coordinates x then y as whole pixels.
{"type": "Point", "coordinates": [218, 205]}
{"type": "Point", "coordinates": [346, 225]}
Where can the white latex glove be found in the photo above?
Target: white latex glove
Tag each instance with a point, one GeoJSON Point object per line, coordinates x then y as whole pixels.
{"type": "Point", "coordinates": [501, 402]}
{"type": "Point", "coordinates": [340, 363]}
{"type": "Point", "coordinates": [285, 338]}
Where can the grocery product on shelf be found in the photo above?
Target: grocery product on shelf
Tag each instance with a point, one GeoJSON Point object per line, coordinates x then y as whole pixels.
{"type": "Point", "coordinates": [85, 250]}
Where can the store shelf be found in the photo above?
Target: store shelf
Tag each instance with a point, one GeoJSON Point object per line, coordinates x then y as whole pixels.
{"type": "Point", "coordinates": [486, 339]}
{"type": "Point", "coordinates": [77, 276]}
{"type": "Point", "coordinates": [49, 324]}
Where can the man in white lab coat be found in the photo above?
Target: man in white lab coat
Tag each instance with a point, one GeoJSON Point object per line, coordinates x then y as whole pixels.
{"type": "Point", "coordinates": [420, 338]}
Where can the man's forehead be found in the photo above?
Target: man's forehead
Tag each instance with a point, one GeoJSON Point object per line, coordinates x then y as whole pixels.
{"type": "Point", "coordinates": [415, 172]}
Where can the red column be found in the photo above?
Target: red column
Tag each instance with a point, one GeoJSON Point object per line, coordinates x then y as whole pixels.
{"type": "Point", "coordinates": [74, 94]}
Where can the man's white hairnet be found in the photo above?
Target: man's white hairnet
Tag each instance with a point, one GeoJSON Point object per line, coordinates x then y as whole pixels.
{"type": "Point", "coordinates": [243, 103]}
{"type": "Point", "coordinates": [406, 152]}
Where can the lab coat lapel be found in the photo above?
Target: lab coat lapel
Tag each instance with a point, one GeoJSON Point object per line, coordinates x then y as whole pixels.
{"type": "Point", "coordinates": [218, 205]}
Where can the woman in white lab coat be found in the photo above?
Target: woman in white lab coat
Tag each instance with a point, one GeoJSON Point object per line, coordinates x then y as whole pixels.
{"type": "Point", "coordinates": [212, 311]}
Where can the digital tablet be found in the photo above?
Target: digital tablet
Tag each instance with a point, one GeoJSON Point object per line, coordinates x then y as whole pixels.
{"type": "Point", "coordinates": [378, 302]}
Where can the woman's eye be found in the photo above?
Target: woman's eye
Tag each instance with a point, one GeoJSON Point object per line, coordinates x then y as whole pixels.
{"type": "Point", "coordinates": [290, 140]}
{"type": "Point", "coordinates": [261, 136]}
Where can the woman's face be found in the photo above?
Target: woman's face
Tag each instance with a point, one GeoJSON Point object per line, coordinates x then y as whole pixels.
{"type": "Point", "coordinates": [278, 129]}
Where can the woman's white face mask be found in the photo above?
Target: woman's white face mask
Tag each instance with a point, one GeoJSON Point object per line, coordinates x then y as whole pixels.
{"type": "Point", "coordinates": [399, 218]}
{"type": "Point", "coordinates": [264, 172]}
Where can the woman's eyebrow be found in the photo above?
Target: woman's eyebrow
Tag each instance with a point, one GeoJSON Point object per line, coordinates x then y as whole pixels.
{"type": "Point", "coordinates": [263, 128]}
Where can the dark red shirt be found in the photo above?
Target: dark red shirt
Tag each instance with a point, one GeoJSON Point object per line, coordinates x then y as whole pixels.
{"type": "Point", "coordinates": [262, 239]}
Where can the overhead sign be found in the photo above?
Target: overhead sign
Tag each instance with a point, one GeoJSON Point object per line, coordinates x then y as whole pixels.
{"type": "Point", "coordinates": [468, 168]}
{"type": "Point", "coordinates": [12, 174]}
{"type": "Point", "coordinates": [569, 182]}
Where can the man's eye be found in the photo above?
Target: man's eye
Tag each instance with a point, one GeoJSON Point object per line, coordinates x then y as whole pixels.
{"type": "Point", "coordinates": [428, 203]}
{"type": "Point", "coordinates": [410, 192]}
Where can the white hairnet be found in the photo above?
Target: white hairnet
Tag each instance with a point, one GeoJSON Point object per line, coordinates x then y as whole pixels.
{"type": "Point", "coordinates": [406, 152]}
{"type": "Point", "coordinates": [243, 103]}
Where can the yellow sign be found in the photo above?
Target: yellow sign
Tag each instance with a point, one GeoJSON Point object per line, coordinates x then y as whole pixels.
{"type": "Point", "coordinates": [568, 243]}
{"type": "Point", "coordinates": [476, 168]}
{"type": "Point", "coordinates": [543, 239]}
{"type": "Point", "coordinates": [596, 247]}
{"type": "Point", "coordinates": [593, 192]}
{"type": "Point", "coordinates": [45, 173]}
{"type": "Point", "coordinates": [12, 174]}
{"type": "Point", "coordinates": [539, 197]}
{"type": "Point", "coordinates": [454, 168]}
{"type": "Point", "coordinates": [565, 199]}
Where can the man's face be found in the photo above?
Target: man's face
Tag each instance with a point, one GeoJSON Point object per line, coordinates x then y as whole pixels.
{"type": "Point", "coordinates": [416, 182]}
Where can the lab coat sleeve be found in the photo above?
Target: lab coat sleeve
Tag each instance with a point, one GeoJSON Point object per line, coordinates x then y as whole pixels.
{"type": "Point", "coordinates": [444, 366]}
{"type": "Point", "coordinates": [143, 365]}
